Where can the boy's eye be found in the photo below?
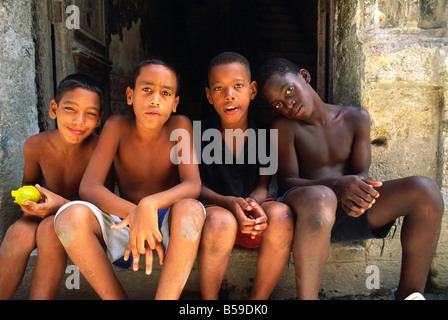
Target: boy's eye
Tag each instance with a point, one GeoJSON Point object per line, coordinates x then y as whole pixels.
{"type": "Point", "coordinates": [278, 105]}
{"type": "Point", "coordinates": [239, 85]}
{"type": "Point", "coordinates": [68, 108]}
{"type": "Point", "coordinates": [166, 93]}
{"type": "Point", "coordinates": [147, 89]}
{"type": "Point", "coordinates": [289, 90]}
{"type": "Point", "coordinates": [218, 88]}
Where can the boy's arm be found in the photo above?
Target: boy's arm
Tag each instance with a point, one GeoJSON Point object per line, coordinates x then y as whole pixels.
{"type": "Point", "coordinates": [31, 171]}
{"type": "Point", "coordinates": [142, 220]}
{"type": "Point", "coordinates": [354, 189]}
{"type": "Point", "coordinates": [361, 155]}
{"type": "Point", "coordinates": [260, 193]}
{"type": "Point", "coordinates": [190, 181]}
{"type": "Point", "coordinates": [288, 165]}
{"type": "Point", "coordinates": [93, 187]}
{"type": "Point", "coordinates": [32, 174]}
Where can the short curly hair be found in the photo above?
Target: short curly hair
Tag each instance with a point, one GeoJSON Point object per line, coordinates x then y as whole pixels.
{"type": "Point", "coordinates": [75, 81]}
{"type": "Point", "coordinates": [280, 66]}
{"type": "Point", "coordinates": [155, 61]}
{"type": "Point", "coordinates": [228, 58]}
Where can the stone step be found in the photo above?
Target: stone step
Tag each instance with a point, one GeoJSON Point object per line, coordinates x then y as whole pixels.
{"type": "Point", "coordinates": [345, 274]}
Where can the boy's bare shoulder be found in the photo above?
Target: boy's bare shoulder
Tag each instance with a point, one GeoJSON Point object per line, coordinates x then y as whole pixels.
{"type": "Point", "coordinates": [39, 142]}
{"type": "Point", "coordinates": [282, 122]}
{"type": "Point", "coordinates": [355, 115]}
{"type": "Point", "coordinates": [118, 120]}
{"type": "Point", "coordinates": [117, 124]}
{"type": "Point", "coordinates": [178, 122]}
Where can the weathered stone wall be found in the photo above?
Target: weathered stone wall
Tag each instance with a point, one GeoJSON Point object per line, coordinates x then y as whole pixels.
{"type": "Point", "coordinates": [390, 58]}
{"type": "Point", "coordinates": [18, 113]}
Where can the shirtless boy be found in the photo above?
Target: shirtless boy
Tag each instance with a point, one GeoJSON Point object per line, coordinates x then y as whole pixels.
{"type": "Point", "coordinates": [154, 193]}
{"type": "Point", "coordinates": [236, 193]}
{"type": "Point", "coordinates": [58, 157]}
{"type": "Point", "coordinates": [329, 146]}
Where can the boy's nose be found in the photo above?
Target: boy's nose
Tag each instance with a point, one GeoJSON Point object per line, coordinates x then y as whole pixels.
{"type": "Point", "coordinates": [79, 120]}
{"type": "Point", "coordinates": [155, 100]}
{"type": "Point", "coordinates": [229, 95]}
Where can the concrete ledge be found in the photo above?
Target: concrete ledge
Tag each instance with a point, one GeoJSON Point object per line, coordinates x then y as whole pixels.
{"type": "Point", "coordinates": [345, 275]}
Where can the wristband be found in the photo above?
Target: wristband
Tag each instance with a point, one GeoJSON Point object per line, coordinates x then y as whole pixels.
{"type": "Point", "coordinates": [253, 198]}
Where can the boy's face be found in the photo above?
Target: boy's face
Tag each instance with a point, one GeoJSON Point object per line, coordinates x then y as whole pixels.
{"type": "Point", "coordinates": [290, 94]}
{"type": "Point", "coordinates": [230, 91]}
{"type": "Point", "coordinates": [78, 114]}
{"type": "Point", "coordinates": [154, 96]}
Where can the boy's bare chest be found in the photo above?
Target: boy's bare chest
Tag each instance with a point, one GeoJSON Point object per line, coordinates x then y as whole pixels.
{"type": "Point", "coordinates": [63, 174]}
{"type": "Point", "coordinates": [140, 160]}
{"type": "Point", "coordinates": [323, 147]}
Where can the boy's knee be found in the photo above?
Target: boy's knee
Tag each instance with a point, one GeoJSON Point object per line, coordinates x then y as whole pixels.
{"type": "Point", "coordinates": [46, 231]}
{"type": "Point", "coordinates": [22, 232]}
{"type": "Point", "coordinates": [320, 198]}
{"type": "Point", "coordinates": [220, 229]}
{"type": "Point", "coordinates": [279, 214]}
{"type": "Point", "coordinates": [280, 224]}
{"type": "Point", "coordinates": [191, 218]}
{"type": "Point", "coordinates": [69, 222]}
{"type": "Point", "coordinates": [220, 220]}
{"type": "Point", "coordinates": [317, 221]}
{"type": "Point", "coordinates": [191, 210]}
{"type": "Point", "coordinates": [23, 228]}
{"type": "Point", "coordinates": [316, 208]}
{"type": "Point", "coordinates": [427, 193]}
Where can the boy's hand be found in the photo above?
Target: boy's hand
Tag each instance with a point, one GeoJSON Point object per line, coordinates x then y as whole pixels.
{"type": "Point", "coordinates": [144, 235]}
{"type": "Point", "coordinates": [49, 204]}
{"type": "Point", "coordinates": [257, 213]}
{"type": "Point", "coordinates": [249, 215]}
{"type": "Point", "coordinates": [356, 194]}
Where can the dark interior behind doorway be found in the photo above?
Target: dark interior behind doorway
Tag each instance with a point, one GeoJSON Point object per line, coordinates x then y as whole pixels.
{"type": "Point", "coordinates": [188, 33]}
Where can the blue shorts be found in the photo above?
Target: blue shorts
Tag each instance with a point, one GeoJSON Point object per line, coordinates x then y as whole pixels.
{"type": "Point", "coordinates": [350, 229]}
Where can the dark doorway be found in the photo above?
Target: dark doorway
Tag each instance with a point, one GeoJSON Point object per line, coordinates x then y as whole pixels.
{"type": "Point", "coordinates": [189, 33]}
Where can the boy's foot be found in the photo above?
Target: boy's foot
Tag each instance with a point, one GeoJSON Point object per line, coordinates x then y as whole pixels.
{"type": "Point", "coordinates": [412, 296]}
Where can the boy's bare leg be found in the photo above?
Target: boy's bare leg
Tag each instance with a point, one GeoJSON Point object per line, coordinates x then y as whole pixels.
{"type": "Point", "coordinates": [80, 234]}
{"type": "Point", "coordinates": [19, 241]}
{"type": "Point", "coordinates": [186, 222]}
{"type": "Point", "coordinates": [218, 239]}
{"type": "Point", "coordinates": [50, 264]}
{"type": "Point", "coordinates": [315, 209]}
{"type": "Point", "coordinates": [419, 200]}
{"type": "Point", "coordinates": [275, 249]}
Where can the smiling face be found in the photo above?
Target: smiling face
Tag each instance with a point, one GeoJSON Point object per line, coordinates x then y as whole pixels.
{"type": "Point", "coordinates": [78, 114]}
{"type": "Point", "coordinates": [230, 92]}
{"type": "Point", "coordinates": [290, 94]}
{"type": "Point", "coordinates": [154, 95]}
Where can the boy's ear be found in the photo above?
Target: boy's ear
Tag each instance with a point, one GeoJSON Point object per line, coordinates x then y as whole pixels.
{"type": "Point", "coordinates": [253, 90]}
{"type": "Point", "coordinates": [176, 103]}
{"type": "Point", "coordinates": [208, 95]}
{"type": "Point", "coordinates": [53, 109]}
{"type": "Point", "coordinates": [129, 96]}
{"type": "Point", "coordinates": [305, 75]}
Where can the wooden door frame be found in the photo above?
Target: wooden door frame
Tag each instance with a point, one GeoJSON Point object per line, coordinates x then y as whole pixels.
{"type": "Point", "coordinates": [325, 36]}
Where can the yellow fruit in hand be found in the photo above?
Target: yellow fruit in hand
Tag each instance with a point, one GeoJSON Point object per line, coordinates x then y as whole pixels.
{"type": "Point", "coordinates": [26, 193]}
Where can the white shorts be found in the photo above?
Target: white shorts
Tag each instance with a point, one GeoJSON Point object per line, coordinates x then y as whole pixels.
{"type": "Point", "coordinates": [117, 240]}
